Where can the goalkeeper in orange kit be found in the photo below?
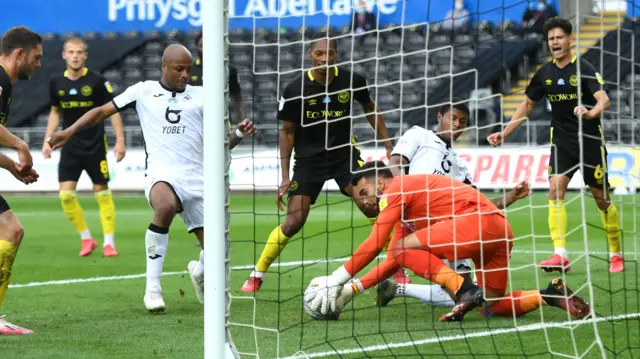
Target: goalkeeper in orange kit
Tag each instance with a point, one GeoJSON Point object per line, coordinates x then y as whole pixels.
{"type": "Point", "coordinates": [435, 218]}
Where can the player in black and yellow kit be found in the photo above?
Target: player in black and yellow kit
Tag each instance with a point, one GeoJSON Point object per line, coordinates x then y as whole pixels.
{"type": "Point", "coordinates": [72, 94]}
{"type": "Point", "coordinates": [235, 93]}
{"type": "Point", "coordinates": [316, 112]}
{"type": "Point", "coordinates": [559, 80]}
{"type": "Point", "coordinates": [20, 53]}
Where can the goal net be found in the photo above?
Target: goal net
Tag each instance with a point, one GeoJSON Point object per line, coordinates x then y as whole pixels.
{"type": "Point", "coordinates": [414, 61]}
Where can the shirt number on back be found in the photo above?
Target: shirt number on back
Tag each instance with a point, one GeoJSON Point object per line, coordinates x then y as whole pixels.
{"type": "Point", "coordinates": [446, 164]}
{"type": "Point", "coordinates": [175, 114]}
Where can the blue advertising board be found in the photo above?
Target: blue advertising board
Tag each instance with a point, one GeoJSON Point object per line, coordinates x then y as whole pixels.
{"type": "Point", "coordinates": [124, 15]}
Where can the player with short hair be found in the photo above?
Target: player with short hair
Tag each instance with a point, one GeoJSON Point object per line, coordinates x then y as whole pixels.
{"type": "Point", "coordinates": [422, 151]}
{"type": "Point", "coordinates": [438, 217]}
{"type": "Point", "coordinates": [316, 112]}
{"type": "Point", "coordinates": [170, 113]}
{"type": "Point", "coordinates": [20, 54]}
{"type": "Point", "coordinates": [558, 80]}
{"type": "Point", "coordinates": [235, 92]}
{"type": "Point", "coordinates": [72, 94]}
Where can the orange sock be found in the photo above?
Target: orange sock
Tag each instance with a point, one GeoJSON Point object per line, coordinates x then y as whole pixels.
{"type": "Point", "coordinates": [381, 272]}
{"type": "Point", "coordinates": [428, 266]}
{"type": "Point", "coordinates": [516, 303]}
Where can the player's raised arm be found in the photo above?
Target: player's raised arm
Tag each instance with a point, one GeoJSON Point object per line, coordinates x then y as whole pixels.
{"type": "Point", "coordinates": [89, 119]}
{"type": "Point", "coordinates": [244, 129]}
{"type": "Point", "coordinates": [372, 112]}
{"type": "Point", "coordinates": [235, 93]}
{"type": "Point", "coordinates": [535, 92]}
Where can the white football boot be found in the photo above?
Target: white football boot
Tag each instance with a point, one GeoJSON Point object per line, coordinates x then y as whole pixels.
{"type": "Point", "coordinates": [153, 300]}
{"type": "Point", "coordinates": [198, 283]}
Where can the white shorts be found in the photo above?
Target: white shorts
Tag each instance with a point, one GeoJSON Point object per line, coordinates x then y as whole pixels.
{"type": "Point", "coordinates": [190, 192]}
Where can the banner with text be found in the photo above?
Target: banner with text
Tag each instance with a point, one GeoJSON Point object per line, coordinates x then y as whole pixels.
{"type": "Point", "coordinates": [61, 16]}
{"type": "Point", "coordinates": [491, 168]}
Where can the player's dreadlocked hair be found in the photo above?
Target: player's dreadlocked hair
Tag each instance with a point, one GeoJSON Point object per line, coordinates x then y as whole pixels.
{"type": "Point", "coordinates": [456, 103]}
{"type": "Point", "coordinates": [373, 169]}
{"type": "Point", "coordinates": [555, 23]}
{"type": "Point", "coordinates": [19, 37]}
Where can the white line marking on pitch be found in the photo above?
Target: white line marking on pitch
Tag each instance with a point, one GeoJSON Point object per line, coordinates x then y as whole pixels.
{"type": "Point", "coordinates": [242, 267]}
{"type": "Point", "coordinates": [440, 339]}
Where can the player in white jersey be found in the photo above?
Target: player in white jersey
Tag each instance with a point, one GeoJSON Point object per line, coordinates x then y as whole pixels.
{"type": "Point", "coordinates": [421, 151]}
{"type": "Point", "coordinates": [170, 113]}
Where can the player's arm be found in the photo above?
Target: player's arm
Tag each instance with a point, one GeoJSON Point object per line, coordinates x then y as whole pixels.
{"type": "Point", "coordinates": [97, 115]}
{"type": "Point", "coordinates": [520, 191]}
{"type": "Point", "coordinates": [404, 151]}
{"type": "Point", "coordinates": [89, 119]}
{"type": "Point", "coordinates": [53, 122]}
{"type": "Point", "coordinates": [371, 111]}
{"type": "Point", "coordinates": [245, 128]}
{"type": "Point", "coordinates": [534, 92]}
{"type": "Point", "coordinates": [597, 87]}
{"type": "Point", "coordinates": [9, 140]}
{"type": "Point", "coordinates": [286, 139]}
{"type": "Point", "coordinates": [118, 128]}
{"type": "Point", "coordinates": [236, 93]}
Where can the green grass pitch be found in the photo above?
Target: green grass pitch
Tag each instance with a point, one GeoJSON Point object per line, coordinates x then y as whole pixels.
{"type": "Point", "coordinates": [92, 307]}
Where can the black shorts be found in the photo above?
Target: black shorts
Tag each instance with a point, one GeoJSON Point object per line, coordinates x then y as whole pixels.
{"type": "Point", "coordinates": [565, 160]}
{"type": "Point", "coordinates": [71, 166]}
{"type": "Point", "coordinates": [4, 206]}
{"type": "Point", "coordinates": [309, 177]}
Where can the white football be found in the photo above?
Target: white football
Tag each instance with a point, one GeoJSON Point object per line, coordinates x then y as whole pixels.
{"type": "Point", "coordinates": [309, 294]}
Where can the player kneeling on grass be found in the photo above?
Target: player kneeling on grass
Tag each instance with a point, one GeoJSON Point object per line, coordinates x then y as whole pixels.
{"type": "Point", "coordinates": [438, 217]}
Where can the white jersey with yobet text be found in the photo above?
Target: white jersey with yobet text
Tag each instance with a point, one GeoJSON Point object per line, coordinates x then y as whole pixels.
{"type": "Point", "coordinates": [172, 128]}
{"type": "Point", "coordinates": [427, 153]}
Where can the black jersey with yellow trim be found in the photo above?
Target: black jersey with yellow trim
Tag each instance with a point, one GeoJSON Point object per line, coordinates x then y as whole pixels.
{"type": "Point", "coordinates": [560, 87]}
{"type": "Point", "coordinates": [323, 113]}
{"type": "Point", "coordinates": [234, 78]}
{"type": "Point", "coordinates": [74, 98]}
{"type": "Point", "coordinates": [6, 88]}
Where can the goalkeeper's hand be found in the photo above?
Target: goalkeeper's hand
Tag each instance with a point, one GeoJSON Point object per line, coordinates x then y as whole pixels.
{"type": "Point", "coordinates": [326, 294]}
{"type": "Point", "coordinates": [329, 289]}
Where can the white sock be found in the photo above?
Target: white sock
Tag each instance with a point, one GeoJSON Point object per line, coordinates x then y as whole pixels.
{"type": "Point", "coordinates": [428, 294]}
{"type": "Point", "coordinates": [198, 271]}
{"type": "Point", "coordinates": [85, 234]}
{"type": "Point", "coordinates": [562, 252]}
{"type": "Point", "coordinates": [615, 254]}
{"type": "Point", "coordinates": [156, 242]}
{"type": "Point", "coordinates": [257, 273]}
{"type": "Point", "coordinates": [108, 240]}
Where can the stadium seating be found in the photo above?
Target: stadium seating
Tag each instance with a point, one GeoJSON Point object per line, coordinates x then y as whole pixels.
{"type": "Point", "coordinates": [396, 55]}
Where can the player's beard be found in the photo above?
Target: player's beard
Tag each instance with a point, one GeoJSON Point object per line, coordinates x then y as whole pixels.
{"type": "Point", "coordinates": [24, 72]}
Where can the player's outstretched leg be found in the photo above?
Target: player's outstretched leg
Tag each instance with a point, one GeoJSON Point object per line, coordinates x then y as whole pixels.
{"type": "Point", "coordinates": [557, 225]}
{"type": "Point", "coordinates": [428, 294]}
{"type": "Point", "coordinates": [11, 233]}
{"type": "Point", "coordinates": [165, 205]}
{"type": "Point", "coordinates": [519, 303]}
{"type": "Point", "coordinates": [107, 218]}
{"type": "Point", "coordinates": [297, 213]}
{"type": "Point", "coordinates": [72, 209]}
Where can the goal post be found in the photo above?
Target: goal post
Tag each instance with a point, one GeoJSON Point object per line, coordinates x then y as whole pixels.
{"type": "Point", "coordinates": [217, 337]}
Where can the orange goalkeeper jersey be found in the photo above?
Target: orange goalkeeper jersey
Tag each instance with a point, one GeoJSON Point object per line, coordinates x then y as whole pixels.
{"type": "Point", "coordinates": [412, 202]}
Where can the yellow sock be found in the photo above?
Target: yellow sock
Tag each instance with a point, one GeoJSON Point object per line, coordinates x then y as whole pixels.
{"type": "Point", "coordinates": [72, 209]}
{"type": "Point", "coordinates": [107, 212]}
{"type": "Point", "coordinates": [558, 223]}
{"type": "Point", "coordinates": [8, 252]}
{"type": "Point", "coordinates": [611, 223]}
{"type": "Point", "coordinates": [275, 244]}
